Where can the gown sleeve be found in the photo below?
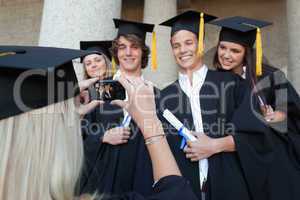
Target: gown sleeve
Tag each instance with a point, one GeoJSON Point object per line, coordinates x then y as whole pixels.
{"type": "Point", "coordinates": [100, 158]}
{"type": "Point", "coordinates": [168, 188]}
{"type": "Point", "coordinates": [253, 142]}
{"type": "Point", "coordinates": [287, 99]}
{"type": "Point", "coordinates": [283, 175]}
{"type": "Point", "coordinates": [282, 96]}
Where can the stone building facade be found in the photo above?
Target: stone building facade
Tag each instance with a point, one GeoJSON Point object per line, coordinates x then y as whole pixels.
{"type": "Point", "coordinates": [63, 23]}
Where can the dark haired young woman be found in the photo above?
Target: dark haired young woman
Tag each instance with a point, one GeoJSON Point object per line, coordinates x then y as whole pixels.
{"type": "Point", "coordinates": [278, 100]}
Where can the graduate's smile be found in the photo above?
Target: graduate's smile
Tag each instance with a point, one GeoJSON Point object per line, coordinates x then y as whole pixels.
{"type": "Point", "coordinates": [185, 58]}
{"type": "Point", "coordinates": [226, 62]}
{"type": "Point", "coordinates": [129, 60]}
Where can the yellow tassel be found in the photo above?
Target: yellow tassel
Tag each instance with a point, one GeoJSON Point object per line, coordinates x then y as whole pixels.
{"type": "Point", "coordinates": [154, 52]}
{"type": "Point", "coordinates": [259, 53]}
{"type": "Point", "coordinates": [113, 66]}
{"type": "Point", "coordinates": [201, 35]}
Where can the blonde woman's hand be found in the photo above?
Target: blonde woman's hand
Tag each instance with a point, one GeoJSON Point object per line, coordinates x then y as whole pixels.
{"type": "Point", "coordinates": [116, 136]}
{"type": "Point", "coordinates": [85, 84]}
{"type": "Point", "coordinates": [140, 104]}
{"type": "Point", "coordinates": [82, 101]}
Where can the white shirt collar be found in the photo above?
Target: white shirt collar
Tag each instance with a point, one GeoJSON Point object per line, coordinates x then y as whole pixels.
{"type": "Point", "coordinates": [118, 74]}
{"type": "Point", "coordinates": [198, 79]}
{"type": "Point", "coordinates": [243, 75]}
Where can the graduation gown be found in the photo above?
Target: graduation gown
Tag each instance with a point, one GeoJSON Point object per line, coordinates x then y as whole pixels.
{"type": "Point", "coordinates": [236, 175]}
{"type": "Point", "coordinates": [101, 159]}
{"type": "Point", "coordinates": [167, 188]}
{"type": "Point", "coordinates": [284, 174]}
{"type": "Point", "coordinates": [116, 169]}
{"type": "Point", "coordinates": [281, 95]}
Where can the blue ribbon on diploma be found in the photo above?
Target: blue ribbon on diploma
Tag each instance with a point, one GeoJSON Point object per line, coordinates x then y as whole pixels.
{"type": "Point", "coordinates": [183, 140]}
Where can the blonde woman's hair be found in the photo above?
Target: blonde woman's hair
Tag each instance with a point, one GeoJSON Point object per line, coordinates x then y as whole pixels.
{"type": "Point", "coordinates": [108, 72]}
{"type": "Point", "coordinates": [41, 154]}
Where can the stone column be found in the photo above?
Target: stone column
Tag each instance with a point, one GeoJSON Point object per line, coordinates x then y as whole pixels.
{"type": "Point", "coordinates": [293, 19]}
{"type": "Point", "coordinates": [66, 22]}
{"type": "Point", "coordinates": [156, 11]}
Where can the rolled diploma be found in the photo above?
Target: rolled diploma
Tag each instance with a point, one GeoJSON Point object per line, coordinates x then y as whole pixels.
{"type": "Point", "coordinates": [178, 125]}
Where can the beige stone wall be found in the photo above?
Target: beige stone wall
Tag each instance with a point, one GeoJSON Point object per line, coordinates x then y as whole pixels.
{"type": "Point", "coordinates": [294, 43]}
{"type": "Point", "coordinates": [154, 12]}
{"type": "Point", "coordinates": [275, 38]}
{"type": "Point", "coordinates": [20, 21]}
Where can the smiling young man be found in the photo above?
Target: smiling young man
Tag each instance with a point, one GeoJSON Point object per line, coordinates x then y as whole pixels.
{"type": "Point", "coordinates": [125, 166]}
{"type": "Point", "coordinates": [207, 102]}
{"type": "Point", "coordinates": [129, 49]}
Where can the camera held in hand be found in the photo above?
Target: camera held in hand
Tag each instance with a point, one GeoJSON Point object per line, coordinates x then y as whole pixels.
{"type": "Point", "coordinates": [108, 90]}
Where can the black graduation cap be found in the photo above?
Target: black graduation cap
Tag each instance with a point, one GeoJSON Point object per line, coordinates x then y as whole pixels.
{"type": "Point", "coordinates": [131, 27]}
{"type": "Point", "coordinates": [34, 77]}
{"type": "Point", "coordinates": [240, 30]}
{"type": "Point", "coordinates": [100, 46]}
{"type": "Point", "coordinates": [190, 20]}
{"type": "Point", "coordinates": [244, 31]}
